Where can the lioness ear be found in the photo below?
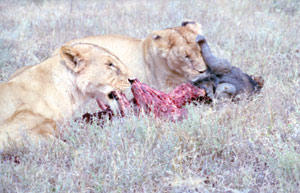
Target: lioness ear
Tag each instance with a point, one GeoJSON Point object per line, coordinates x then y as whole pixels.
{"type": "Point", "coordinates": [194, 26]}
{"type": "Point", "coordinates": [72, 58]}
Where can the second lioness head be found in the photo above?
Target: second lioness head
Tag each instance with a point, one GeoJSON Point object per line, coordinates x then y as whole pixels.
{"type": "Point", "coordinates": [178, 51]}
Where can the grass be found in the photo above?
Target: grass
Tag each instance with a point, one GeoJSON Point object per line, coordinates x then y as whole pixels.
{"type": "Point", "coordinates": [252, 146]}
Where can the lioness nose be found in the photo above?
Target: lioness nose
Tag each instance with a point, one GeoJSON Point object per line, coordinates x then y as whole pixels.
{"type": "Point", "coordinates": [131, 80]}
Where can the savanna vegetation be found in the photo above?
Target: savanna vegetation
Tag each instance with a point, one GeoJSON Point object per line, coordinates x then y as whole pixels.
{"type": "Point", "coordinates": [250, 146]}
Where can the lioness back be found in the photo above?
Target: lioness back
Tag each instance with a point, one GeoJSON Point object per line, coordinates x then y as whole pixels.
{"type": "Point", "coordinates": [164, 59]}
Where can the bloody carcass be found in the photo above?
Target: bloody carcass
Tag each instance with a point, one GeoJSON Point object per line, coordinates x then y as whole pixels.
{"type": "Point", "coordinates": [167, 106]}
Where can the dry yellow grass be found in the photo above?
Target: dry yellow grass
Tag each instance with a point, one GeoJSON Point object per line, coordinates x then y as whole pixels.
{"type": "Point", "coordinates": [252, 146]}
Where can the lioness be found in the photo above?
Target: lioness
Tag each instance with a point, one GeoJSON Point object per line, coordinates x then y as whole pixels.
{"type": "Point", "coordinates": [38, 98]}
{"type": "Point", "coordinates": [164, 59]}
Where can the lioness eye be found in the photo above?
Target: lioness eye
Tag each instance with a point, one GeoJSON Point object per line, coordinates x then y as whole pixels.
{"type": "Point", "coordinates": [187, 56]}
{"type": "Point", "coordinates": [110, 64]}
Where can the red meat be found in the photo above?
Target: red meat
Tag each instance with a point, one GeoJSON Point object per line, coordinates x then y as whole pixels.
{"type": "Point", "coordinates": [165, 105]}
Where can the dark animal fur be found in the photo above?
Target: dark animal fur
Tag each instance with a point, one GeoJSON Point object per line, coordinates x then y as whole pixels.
{"type": "Point", "coordinates": [222, 80]}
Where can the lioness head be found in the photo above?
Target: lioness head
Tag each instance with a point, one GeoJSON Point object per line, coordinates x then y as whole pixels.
{"type": "Point", "coordinates": [97, 71]}
{"type": "Point", "coordinates": [177, 48]}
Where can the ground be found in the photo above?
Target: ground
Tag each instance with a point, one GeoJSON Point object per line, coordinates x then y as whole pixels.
{"type": "Point", "coordinates": [249, 146]}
